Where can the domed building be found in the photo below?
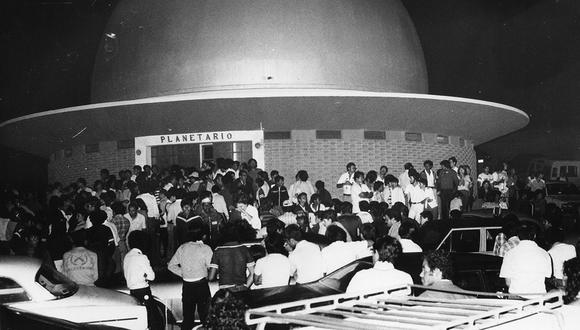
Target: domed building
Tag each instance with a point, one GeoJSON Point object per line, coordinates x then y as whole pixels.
{"type": "Point", "coordinates": [294, 84]}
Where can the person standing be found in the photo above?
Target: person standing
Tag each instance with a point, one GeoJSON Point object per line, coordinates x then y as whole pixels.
{"type": "Point", "coordinates": [359, 192]}
{"type": "Point", "coordinates": [447, 184]}
{"type": "Point", "coordinates": [346, 180]}
{"type": "Point", "coordinates": [80, 264]}
{"type": "Point", "coordinates": [404, 180]}
{"type": "Point", "coordinates": [138, 273]}
{"type": "Point", "coordinates": [191, 262]}
{"type": "Point", "coordinates": [526, 266]}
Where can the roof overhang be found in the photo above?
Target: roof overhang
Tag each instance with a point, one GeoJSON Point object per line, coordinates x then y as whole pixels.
{"type": "Point", "coordinates": [273, 109]}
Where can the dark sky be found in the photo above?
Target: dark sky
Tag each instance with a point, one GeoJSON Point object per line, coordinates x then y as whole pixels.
{"type": "Point", "coordinates": [522, 53]}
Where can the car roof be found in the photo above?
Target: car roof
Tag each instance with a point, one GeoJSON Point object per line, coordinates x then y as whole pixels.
{"type": "Point", "coordinates": [19, 267]}
{"type": "Point", "coordinates": [486, 218]}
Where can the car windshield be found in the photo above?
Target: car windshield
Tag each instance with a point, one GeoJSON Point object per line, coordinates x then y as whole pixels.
{"type": "Point", "coordinates": [562, 189]}
{"type": "Point", "coordinates": [56, 283]}
{"type": "Point", "coordinates": [340, 278]}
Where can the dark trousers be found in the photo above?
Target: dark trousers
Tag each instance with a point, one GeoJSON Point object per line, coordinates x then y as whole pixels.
{"type": "Point", "coordinates": [146, 298]}
{"type": "Point", "coordinates": [195, 295]}
{"type": "Point", "coordinates": [163, 242]}
{"type": "Point", "coordinates": [446, 197]}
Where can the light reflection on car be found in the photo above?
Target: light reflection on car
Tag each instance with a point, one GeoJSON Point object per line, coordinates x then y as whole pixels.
{"type": "Point", "coordinates": [28, 285]}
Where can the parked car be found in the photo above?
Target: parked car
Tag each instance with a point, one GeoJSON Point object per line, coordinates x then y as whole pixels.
{"type": "Point", "coordinates": [475, 232]}
{"type": "Point", "coordinates": [29, 286]}
{"type": "Point", "coordinates": [473, 272]}
{"type": "Point", "coordinates": [565, 196]}
{"type": "Point", "coordinates": [16, 319]}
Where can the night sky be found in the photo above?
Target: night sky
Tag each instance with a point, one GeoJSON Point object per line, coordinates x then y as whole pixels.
{"type": "Point", "coordinates": [521, 53]}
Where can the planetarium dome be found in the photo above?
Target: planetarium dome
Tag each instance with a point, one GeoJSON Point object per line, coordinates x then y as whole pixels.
{"type": "Point", "coordinates": [157, 48]}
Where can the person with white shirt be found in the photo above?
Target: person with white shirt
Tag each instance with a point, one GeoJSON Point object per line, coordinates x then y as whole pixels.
{"type": "Point", "coordinates": [138, 273]}
{"type": "Point", "coordinates": [249, 212]}
{"type": "Point", "coordinates": [407, 231]}
{"type": "Point", "coordinates": [383, 275]}
{"type": "Point", "coordinates": [486, 175]}
{"type": "Point", "coordinates": [395, 192]}
{"type": "Point", "coordinates": [305, 257]}
{"type": "Point", "coordinates": [136, 219]}
{"type": "Point", "coordinates": [560, 252]}
{"type": "Point", "coordinates": [428, 173]}
{"type": "Point", "coordinates": [359, 191]}
{"type": "Point", "coordinates": [526, 266]}
{"type": "Point", "coordinates": [219, 203]}
{"type": "Point", "coordinates": [338, 253]}
{"type": "Point", "coordinates": [404, 180]}
{"type": "Point", "coordinates": [346, 180]}
{"type": "Point", "coordinates": [415, 193]}
{"type": "Point", "coordinates": [273, 269]}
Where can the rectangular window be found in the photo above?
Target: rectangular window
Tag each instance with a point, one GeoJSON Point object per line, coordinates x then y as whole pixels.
{"type": "Point", "coordinates": [554, 172]}
{"type": "Point", "coordinates": [375, 135]}
{"type": "Point", "coordinates": [126, 144]}
{"type": "Point", "coordinates": [328, 135]}
{"type": "Point", "coordinates": [91, 148]}
{"type": "Point", "coordinates": [442, 139]}
{"type": "Point", "coordinates": [242, 151]}
{"type": "Point", "coordinates": [414, 137]}
{"type": "Point", "coordinates": [282, 135]}
{"type": "Point", "coordinates": [572, 171]}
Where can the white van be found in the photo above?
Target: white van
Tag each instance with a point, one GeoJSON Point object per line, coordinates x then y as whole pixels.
{"type": "Point", "coordinates": [562, 169]}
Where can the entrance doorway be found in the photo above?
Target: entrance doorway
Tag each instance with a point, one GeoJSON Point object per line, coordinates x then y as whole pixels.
{"type": "Point", "coordinates": [193, 154]}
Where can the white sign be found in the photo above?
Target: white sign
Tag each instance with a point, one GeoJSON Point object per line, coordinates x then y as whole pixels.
{"type": "Point", "coordinates": [143, 144]}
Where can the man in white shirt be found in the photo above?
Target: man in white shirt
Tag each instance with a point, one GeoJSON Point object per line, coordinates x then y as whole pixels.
{"type": "Point", "coordinates": [415, 193]}
{"type": "Point", "coordinates": [404, 177]}
{"type": "Point", "coordinates": [486, 175]}
{"type": "Point", "coordinates": [395, 192]}
{"type": "Point", "coordinates": [560, 251]}
{"type": "Point", "coordinates": [305, 258]}
{"type": "Point", "coordinates": [249, 213]}
{"type": "Point", "coordinates": [346, 180]}
{"type": "Point", "coordinates": [138, 272]}
{"type": "Point", "coordinates": [407, 231]}
{"type": "Point", "coordinates": [219, 203]}
{"type": "Point", "coordinates": [273, 269]}
{"type": "Point", "coordinates": [383, 275]}
{"type": "Point", "coordinates": [526, 266]}
{"type": "Point", "coordinates": [428, 173]}
{"type": "Point", "coordinates": [359, 191]}
{"type": "Point", "coordinates": [136, 219]}
{"type": "Point", "coordinates": [338, 253]}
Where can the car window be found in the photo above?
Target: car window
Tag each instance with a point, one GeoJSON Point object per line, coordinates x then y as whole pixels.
{"type": "Point", "coordinates": [572, 171]}
{"type": "Point", "coordinates": [554, 172]}
{"type": "Point", "coordinates": [470, 280]}
{"type": "Point", "coordinates": [56, 283]}
{"type": "Point", "coordinates": [11, 292]}
{"type": "Point", "coordinates": [490, 235]}
{"type": "Point", "coordinates": [340, 278]}
{"type": "Point", "coordinates": [462, 240]}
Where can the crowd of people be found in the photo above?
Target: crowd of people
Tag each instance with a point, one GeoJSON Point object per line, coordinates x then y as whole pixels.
{"type": "Point", "coordinates": [193, 222]}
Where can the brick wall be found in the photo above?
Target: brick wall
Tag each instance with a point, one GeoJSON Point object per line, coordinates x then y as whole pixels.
{"type": "Point", "coordinates": [326, 159]}
{"type": "Point", "coordinates": [67, 169]}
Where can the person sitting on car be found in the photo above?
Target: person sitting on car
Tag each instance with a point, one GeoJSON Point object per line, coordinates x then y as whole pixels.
{"type": "Point", "coordinates": [191, 262]}
{"type": "Point", "coordinates": [436, 273]}
{"type": "Point", "coordinates": [526, 266]}
{"type": "Point", "coordinates": [383, 275]}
